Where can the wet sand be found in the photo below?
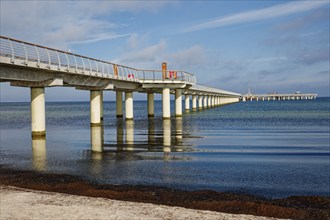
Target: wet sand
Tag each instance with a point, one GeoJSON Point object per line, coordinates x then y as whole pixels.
{"type": "Point", "coordinates": [297, 207]}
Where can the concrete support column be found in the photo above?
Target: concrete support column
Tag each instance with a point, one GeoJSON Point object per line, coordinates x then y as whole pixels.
{"type": "Point", "coordinates": [200, 102]}
{"type": "Point", "coordinates": [213, 101]}
{"type": "Point", "coordinates": [209, 104]}
{"type": "Point", "coordinates": [166, 103]}
{"type": "Point", "coordinates": [38, 116]}
{"type": "Point", "coordinates": [194, 102]}
{"type": "Point", "coordinates": [187, 102]}
{"type": "Point", "coordinates": [178, 103]}
{"type": "Point", "coordinates": [151, 104]}
{"type": "Point", "coordinates": [205, 101]}
{"type": "Point", "coordinates": [129, 105]}
{"type": "Point", "coordinates": [95, 107]}
{"type": "Point", "coordinates": [119, 104]}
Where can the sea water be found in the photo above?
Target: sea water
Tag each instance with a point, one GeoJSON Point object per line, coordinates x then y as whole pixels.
{"type": "Point", "coordinates": [268, 148]}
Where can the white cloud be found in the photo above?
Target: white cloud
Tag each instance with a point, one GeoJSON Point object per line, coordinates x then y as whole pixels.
{"type": "Point", "coordinates": [260, 14]}
{"type": "Point", "coordinates": [269, 59]}
{"type": "Point", "coordinates": [144, 57]}
{"type": "Point", "coordinates": [136, 40]}
{"type": "Point", "coordinates": [188, 58]}
{"type": "Point", "coordinates": [61, 23]}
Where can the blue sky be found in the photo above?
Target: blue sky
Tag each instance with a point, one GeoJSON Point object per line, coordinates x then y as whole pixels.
{"type": "Point", "coordinates": [266, 46]}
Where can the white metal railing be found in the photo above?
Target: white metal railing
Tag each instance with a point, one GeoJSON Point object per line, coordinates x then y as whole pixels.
{"type": "Point", "coordinates": [206, 89]}
{"type": "Point", "coordinates": [32, 55]}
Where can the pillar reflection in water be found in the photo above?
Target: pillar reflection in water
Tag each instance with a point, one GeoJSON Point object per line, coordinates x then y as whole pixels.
{"type": "Point", "coordinates": [151, 131]}
{"type": "Point", "coordinates": [129, 135]}
{"type": "Point", "coordinates": [120, 134]}
{"type": "Point", "coordinates": [167, 135]}
{"type": "Point", "coordinates": [39, 154]}
{"type": "Point", "coordinates": [97, 138]}
{"type": "Point", "coordinates": [178, 132]}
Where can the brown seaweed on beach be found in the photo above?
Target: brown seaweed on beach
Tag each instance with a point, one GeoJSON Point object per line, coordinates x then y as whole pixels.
{"type": "Point", "coordinates": [294, 207]}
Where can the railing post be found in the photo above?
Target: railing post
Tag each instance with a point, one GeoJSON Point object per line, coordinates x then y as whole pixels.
{"type": "Point", "coordinates": [49, 61]}
{"type": "Point", "coordinates": [59, 61]}
{"type": "Point", "coordinates": [26, 55]}
{"type": "Point", "coordinates": [12, 51]}
{"type": "Point", "coordinates": [38, 63]}
{"type": "Point", "coordinates": [67, 60]}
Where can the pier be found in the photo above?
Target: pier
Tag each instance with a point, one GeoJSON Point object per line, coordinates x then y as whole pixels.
{"type": "Point", "coordinates": [37, 67]}
{"type": "Point", "coordinates": [275, 96]}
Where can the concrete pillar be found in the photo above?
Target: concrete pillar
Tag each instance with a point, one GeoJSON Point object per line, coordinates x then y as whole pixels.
{"type": "Point", "coordinates": [95, 107]}
{"type": "Point", "coordinates": [200, 102]}
{"type": "Point", "coordinates": [166, 103]}
{"type": "Point", "coordinates": [119, 104]}
{"type": "Point", "coordinates": [151, 104]}
{"type": "Point", "coordinates": [129, 105]}
{"type": "Point", "coordinates": [213, 101]}
{"type": "Point", "coordinates": [38, 116]}
{"type": "Point", "coordinates": [194, 102]}
{"type": "Point", "coordinates": [101, 106]}
{"type": "Point", "coordinates": [187, 102]}
{"type": "Point", "coordinates": [205, 101]}
{"type": "Point", "coordinates": [209, 101]}
{"type": "Point", "coordinates": [178, 103]}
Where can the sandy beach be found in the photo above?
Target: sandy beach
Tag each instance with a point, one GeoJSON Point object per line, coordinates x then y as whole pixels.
{"type": "Point", "coordinates": [18, 203]}
{"type": "Point", "coordinates": [35, 195]}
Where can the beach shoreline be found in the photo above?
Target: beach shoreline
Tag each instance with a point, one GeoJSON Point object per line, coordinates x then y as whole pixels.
{"type": "Point", "coordinates": [294, 207]}
{"type": "Point", "coordinates": [33, 204]}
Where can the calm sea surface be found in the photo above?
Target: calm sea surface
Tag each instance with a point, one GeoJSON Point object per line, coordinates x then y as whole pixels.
{"type": "Point", "coordinates": [271, 148]}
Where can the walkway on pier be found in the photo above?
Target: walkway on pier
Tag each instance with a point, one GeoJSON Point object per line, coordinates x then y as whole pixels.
{"type": "Point", "coordinates": [35, 66]}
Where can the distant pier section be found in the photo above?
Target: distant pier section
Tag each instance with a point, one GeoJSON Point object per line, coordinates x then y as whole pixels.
{"type": "Point", "coordinates": [276, 96]}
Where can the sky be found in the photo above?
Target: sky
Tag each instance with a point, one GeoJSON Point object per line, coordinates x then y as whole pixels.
{"type": "Point", "coordinates": [265, 46]}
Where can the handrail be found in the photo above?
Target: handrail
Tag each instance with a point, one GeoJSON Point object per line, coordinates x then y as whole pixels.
{"type": "Point", "coordinates": [58, 60]}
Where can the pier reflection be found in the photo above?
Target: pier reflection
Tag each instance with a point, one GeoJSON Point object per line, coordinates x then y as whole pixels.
{"type": "Point", "coordinates": [129, 135]}
{"type": "Point", "coordinates": [39, 154]}
{"type": "Point", "coordinates": [97, 138]}
{"type": "Point", "coordinates": [151, 139]}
